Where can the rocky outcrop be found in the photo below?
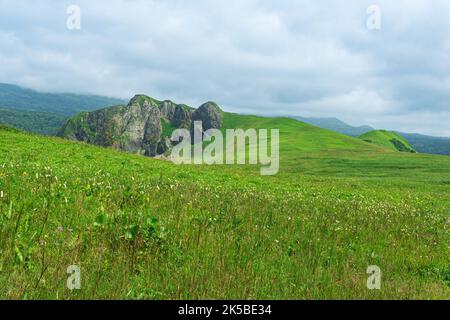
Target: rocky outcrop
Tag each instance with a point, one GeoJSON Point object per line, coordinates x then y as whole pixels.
{"type": "Point", "coordinates": [143, 126]}
{"type": "Point", "coordinates": [182, 117]}
{"type": "Point", "coordinates": [152, 132]}
{"type": "Point", "coordinates": [210, 114]}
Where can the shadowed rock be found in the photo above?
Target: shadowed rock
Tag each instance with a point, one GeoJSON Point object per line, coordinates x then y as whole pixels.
{"type": "Point", "coordinates": [210, 114]}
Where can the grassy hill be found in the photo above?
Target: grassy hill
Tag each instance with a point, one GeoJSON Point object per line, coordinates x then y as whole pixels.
{"type": "Point", "coordinates": [388, 139]}
{"type": "Point", "coordinates": [142, 228]}
{"type": "Point", "coordinates": [419, 142]}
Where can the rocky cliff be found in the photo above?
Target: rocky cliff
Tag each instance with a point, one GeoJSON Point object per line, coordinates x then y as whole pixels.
{"type": "Point", "coordinates": [143, 126]}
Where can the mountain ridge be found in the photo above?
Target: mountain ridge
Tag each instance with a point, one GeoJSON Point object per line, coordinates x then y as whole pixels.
{"type": "Point", "coordinates": [19, 98]}
{"type": "Point", "coordinates": [44, 123]}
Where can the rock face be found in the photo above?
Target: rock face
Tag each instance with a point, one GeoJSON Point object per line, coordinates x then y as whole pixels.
{"type": "Point", "coordinates": [210, 114]}
{"type": "Point", "coordinates": [144, 126]}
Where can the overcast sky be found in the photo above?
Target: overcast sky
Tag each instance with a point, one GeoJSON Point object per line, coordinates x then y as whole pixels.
{"type": "Point", "coordinates": [307, 58]}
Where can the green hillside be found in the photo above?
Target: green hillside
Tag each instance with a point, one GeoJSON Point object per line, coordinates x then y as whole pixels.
{"type": "Point", "coordinates": [38, 122]}
{"type": "Point", "coordinates": [419, 142]}
{"type": "Point", "coordinates": [66, 104]}
{"type": "Point", "coordinates": [428, 144]}
{"type": "Point", "coordinates": [337, 125]}
{"type": "Point", "coordinates": [388, 139]}
{"type": "Point", "coordinates": [124, 127]}
{"type": "Point", "coordinates": [298, 136]}
{"type": "Point", "coordinates": [141, 228]}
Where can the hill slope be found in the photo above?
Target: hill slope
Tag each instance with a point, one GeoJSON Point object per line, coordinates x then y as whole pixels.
{"type": "Point", "coordinates": [38, 122]}
{"type": "Point", "coordinates": [145, 125]}
{"type": "Point", "coordinates": [388, 139]}
{"type": "Point", "coordinates": [17, 98]}
{"type": "Point", "coordinates": [141, 228]}
{"type": "Point", "coordinates": [337, 125]}
{"type": "Point", "coordinates": [419, 142]}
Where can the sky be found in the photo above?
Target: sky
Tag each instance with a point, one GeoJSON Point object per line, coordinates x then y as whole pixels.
{"type": "Point", "coordinates": [389, 68]}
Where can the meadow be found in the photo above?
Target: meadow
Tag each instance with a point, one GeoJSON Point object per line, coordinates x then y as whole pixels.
{"type": "Point", "coordinates": [142, 228]}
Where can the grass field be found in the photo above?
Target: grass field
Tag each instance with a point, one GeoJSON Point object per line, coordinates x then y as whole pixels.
{"type": "Point", "coordinates": [141, 228]}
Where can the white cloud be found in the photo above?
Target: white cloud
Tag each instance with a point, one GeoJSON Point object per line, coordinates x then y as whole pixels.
{"type": "Point", "coordinates": [298, 57]}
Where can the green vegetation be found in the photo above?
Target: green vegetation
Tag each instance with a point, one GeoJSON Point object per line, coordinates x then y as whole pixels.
{"type": "Point", "coordinates": [142, 228]}
{"type": "Point", "coordinates": [38, 122]}
{"type": "Point", "coordinates": [185, 107]}
{"type": "Point", "coordinates": [44, 113]}
{"type": "Point", "coordinates": [139, 99]}
{"type": "Point", "coordinates": [388, 139]}
{"type": "Point", "coordinates": [66, 104]}
{"type": "Point", "coordinates": [428, 144]}
{"type": "Point", "coordinates": [167, 128]}
{"type": "Point", "coordinates": [419, 142]}
{"type": "Point", "coordinates": [336, 125]}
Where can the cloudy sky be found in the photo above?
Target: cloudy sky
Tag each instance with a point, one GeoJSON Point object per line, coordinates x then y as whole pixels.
{"type": "Point", "coordinates": [307, 58]}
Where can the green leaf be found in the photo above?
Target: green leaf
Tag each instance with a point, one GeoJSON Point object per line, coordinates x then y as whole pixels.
{"type": "Point", "coordinates": [131, 232]}
{"type": "Point", "coordinates": [9, 214]}
{"type": "Point", "coordinates": [19, 255]}
{"type": "Point", "coordinates": [101, 219]}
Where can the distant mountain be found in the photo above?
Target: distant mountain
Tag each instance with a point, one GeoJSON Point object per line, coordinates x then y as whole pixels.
{"type": "Point", "coordinates": [44, 123]}
{"type": "Point", "coordinates": [428, 144]}
{"type": "Point", "coordinates": [337, 125]}
{"type": "Point", "coordinates": [388, 139]}
{"type": "Point", "coordinates": [18, 98]}
{"type": "Point", "coordinates": [419, 142]}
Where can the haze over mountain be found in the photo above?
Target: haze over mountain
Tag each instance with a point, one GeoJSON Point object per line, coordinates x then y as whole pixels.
{"type": "Point", "coordinates": [18, 98]}
{"type": "Point", "coordinates": [44, 112]}
{"type": "Point", "coordinates": [336, 125]}
{"type": "Point", "coordinates": [428, 144]}
{"type": "Point", "coordinates": [44, 123]}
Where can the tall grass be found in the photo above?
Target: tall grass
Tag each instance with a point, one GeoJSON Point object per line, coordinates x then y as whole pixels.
{"type": "Point", "coordinates": [146, 229]}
